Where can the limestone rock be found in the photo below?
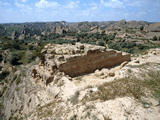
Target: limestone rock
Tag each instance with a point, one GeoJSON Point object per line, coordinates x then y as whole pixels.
{"type": "Point", "coordinates": [111, 74]}
{"type": "Point", "coordinates": [98, 73]}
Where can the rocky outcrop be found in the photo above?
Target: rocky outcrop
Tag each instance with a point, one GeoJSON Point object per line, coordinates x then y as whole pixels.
{"type": "Point", "coordinates": [154, 27]}
{"type": "Point", "coordinates": [81, 59]}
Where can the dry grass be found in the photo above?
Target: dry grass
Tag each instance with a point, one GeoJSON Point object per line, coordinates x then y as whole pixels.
{"type": "Point", "coordinates": [119, 88]}
{"type": "Point", "coordinates": [46, 110]}
{"type": "Point", "coordinates": [153, 83]}
{"type": "Point", "coordinates": [131, 86]}
{"type": "Point", "coordinates": [46, 113]}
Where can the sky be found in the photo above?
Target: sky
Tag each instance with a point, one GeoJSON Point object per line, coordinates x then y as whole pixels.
{"type": "Point", "coordinates": [19, 11]}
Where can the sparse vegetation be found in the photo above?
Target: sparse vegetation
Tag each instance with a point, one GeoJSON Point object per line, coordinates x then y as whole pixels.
{"type": "Point", "coordinates": [74, 117]}
{"type": "Point", "coordinates": [155, 38]}
{"type": "Point", "coordinates": [3, 90]}
{"type": "Point", "coordinates": [1, 57]}
{"type": "Point", "coordinates": [3, 75]}
{"type": "Point", "coordinates": [1, 68]}
{"type": "Point", "coordinates": [101, 43]}
{"type": "Point", "coordinates": [130, 31]}
{"type": "Point", "coordinates": [129, 70]}
{"type": "Point", "coordinates": [153, 83]}
{"type": "Point", "coordinates": [131, 86]}
{"type": "Point", "coordinates": [46, 110]}
{"type": "Point", "coordinates": [74, 98]}
{"type": "Point", "coordinates": [15, 59]}
{"type": "Point", "coordinates": [45, 114]}
{"type": "Point", "coordinates": [141, 28]}
{"type": "Point", "coordinates": [118, 88]}
{"type": "Point", "coordinates": [18, 80]}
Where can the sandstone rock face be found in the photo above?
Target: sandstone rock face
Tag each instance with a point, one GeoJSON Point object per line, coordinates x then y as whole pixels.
{"type": "Point", "coordinates": [81, 59]}
{"type": "Point", "coordinates": [21, 37]}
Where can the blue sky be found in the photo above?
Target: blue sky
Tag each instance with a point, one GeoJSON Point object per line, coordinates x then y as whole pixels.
{"type": "Point", "coordinates": [12, 11]}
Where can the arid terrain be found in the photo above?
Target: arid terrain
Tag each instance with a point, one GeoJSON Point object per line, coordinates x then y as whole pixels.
{"type": "Point", "coordinates": [80, 71]}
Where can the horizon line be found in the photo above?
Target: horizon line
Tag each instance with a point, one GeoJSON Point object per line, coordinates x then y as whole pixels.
{"type": "Point", "coordinates": [79, 21]}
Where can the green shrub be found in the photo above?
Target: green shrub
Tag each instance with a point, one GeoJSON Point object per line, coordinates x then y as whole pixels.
{"type": "Point", "coordinates": [18, 80]}
{"type": "Point", "coordinates": [15, 59]}
{"type": "Point", "coordinates": [141, 28]}
{"type": "Point", "coordinates": [1, 58]}
{"type": "Point", "coordinates": [3, 90]}
{"type": "Point", "coordinates": [128, 44]}
{"type": "Point", "coordinates": [155, 38]}
{"type": "Point", "coordinates": [115, 46]}
{"type": "Point", "coordinates": [142, 47]}
{"type": "Point", "coordinates": [0, 68]}
{"type": "Point", "coordinates": [101, 43]}
{"type": "Point", "coordinates": [28, 57]}
{"type": "Point", "coordinates": [31, 47]}
{"type": "Point", "coordinates": [3, 75]}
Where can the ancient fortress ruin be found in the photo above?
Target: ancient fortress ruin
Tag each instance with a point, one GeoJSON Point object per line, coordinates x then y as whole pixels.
{"type": "Point", "coordinates": [80, 59]}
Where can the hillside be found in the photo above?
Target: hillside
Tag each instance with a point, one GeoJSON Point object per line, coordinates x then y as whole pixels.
{"type": "Point", "coordinates": [127, 89]}
{"type": "Point", "coordinates": [120, 35]}
{"type": "Point", "coordinates": [80, 71]}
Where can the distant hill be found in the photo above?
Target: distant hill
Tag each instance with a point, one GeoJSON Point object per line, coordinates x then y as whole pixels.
{"type": "Point", "coordinates": [59, 27]}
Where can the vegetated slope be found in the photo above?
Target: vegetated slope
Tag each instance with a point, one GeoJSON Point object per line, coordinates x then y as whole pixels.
{"type": "Point", "coordinates": [128, 36]}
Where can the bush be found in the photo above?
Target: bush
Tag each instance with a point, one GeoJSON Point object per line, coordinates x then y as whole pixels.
{"type": "Point", "coordinates": [2, 92]}
{"type": "Point", "coordinates": [30, 57]}
{"type": "Point", "coordinates": [31, 47]}
{"type": "Point", "coordinates": [18, 80]}
{"type": "Point", "coordinates": [27, 57]}
{"type": "Point", "coordinates": [142, 47]}
{"type": "Point", "coordinates": [3, 75]}
{"type": "Point", "coordinates": [141, 28]}
{"type": "Point", "coordinates": [16, 45]}
{"type": "Point", "coordinates": [14, 59]}
{"type": "Point", "coordinates": [128, 45]}
{"type": "Point", "coordinates": [1, 58]}
{"type": "Point", "coordinates": [155, 38]}
{"type": "Point", "coordinates": [101, 43]}
{"type": "Point", "coordinates": [10, 44]}
{"type": "Point", "coordinates": [115, 46]}
{"type": "Point", "coordinates": [1, 68]}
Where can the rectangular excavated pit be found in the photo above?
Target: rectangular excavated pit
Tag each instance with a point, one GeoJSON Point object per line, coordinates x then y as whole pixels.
{"type": "Point", "coordinates": [94, 59]}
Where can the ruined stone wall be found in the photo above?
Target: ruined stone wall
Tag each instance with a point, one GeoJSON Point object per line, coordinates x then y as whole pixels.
{"type": "Point", "coordinates": [94, 59]}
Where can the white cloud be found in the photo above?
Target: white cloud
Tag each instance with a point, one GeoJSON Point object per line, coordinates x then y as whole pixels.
{"type": "Point", "coordinates": [72, 5]}
{"type": "Point", "coordinates": [112, 3]}
{"type": "Point", "coordinates": [135, 3]}
{"type": "Point", "coordinates": [2, 3]}
{"type": "Point", "coordinates": [46, 4]}
{"type": "Point", "coordinates": [19, 5]}
{"type": "Point", "coordinates": [24, 1]}
{"type": "Point", "coordinates": [23, 6]}
{"type": "Point", "coordinates": [94, 6]}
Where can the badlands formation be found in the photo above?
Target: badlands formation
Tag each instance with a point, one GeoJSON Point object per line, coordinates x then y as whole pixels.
{"type": "Point", "coordinates": [85, 82]}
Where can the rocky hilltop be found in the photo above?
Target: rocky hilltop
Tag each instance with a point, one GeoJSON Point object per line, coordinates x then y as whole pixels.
{"type": "Point", "coordinates": [140, 29]}
{"type": "Point", "coordinates": [85, 82]}
{"type": "Point", "coordinates": [79, 59]}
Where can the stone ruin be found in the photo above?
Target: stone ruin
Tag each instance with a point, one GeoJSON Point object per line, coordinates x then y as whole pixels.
{"type": "Point", "coordinates": [80, 59]}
